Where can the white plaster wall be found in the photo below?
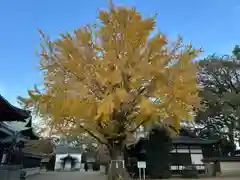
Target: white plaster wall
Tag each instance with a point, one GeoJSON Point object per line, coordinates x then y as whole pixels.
{"type": "Point", "coordinates": [102, 169]}
{"type": "Point", "coordinates": [195, 158]}
{"type": "Point", "coordinates": [229, 167]}
{"type": "Point", "coordinates": [58, 160]}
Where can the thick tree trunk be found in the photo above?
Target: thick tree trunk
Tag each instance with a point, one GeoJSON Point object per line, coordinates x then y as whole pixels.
{"type": "Point", "coordinates": [116, 169]}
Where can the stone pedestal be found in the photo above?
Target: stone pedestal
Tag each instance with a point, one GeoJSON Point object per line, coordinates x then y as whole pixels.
{"type": "Point", "coordinates": [210, 169]}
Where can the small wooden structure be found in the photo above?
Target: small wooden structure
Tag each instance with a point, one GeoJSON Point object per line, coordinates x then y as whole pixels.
{"type": "Point", "coordinates": [168, 155]}
{"type": "Point", "coordinates": [67, 158]}
{"type": "Point", "coordinates": [68, 162]}
{"type": "Point", "coordinates": [8, 112]}
{"type": "Point", "coordinates": [187, 151]}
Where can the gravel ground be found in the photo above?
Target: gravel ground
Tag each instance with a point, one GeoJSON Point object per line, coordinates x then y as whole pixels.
{"type": "Point", "coordinates": [82, 175]}
{"type": "Point", "coordinates": [67, 176]}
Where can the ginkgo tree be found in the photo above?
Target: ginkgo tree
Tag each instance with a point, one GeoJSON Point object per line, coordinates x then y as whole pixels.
{"type": "Point", "coordinates": [109, 78]}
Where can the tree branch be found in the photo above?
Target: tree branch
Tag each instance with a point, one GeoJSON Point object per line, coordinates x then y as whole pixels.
{"type": "Point", "coordinates": [66, 71]}
{"type": "Point", "coordinates": [92, 134]}
{"type": "Point", "coordinates": [89, 132]}
{"type": "Point", "coordinates": [140, 124]}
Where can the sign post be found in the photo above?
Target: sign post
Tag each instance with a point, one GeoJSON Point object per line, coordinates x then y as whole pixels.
{"type": "Point", "coordinates": [141, 166]}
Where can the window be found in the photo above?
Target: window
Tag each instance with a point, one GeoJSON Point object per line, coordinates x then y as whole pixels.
{"type": "Point", "coordinates": [181, 151]}
{"type": "Point", "coordinates": [197, 158]}
{"type": "Point", "coordinates": [173, 151]}
{"type": "Point", "coordinates": [196, 151]}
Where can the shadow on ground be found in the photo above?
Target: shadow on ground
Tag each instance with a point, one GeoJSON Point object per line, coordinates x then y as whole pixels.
{"type": "Point", "coordinates": [81, 175]}
{"type": "Point", "coordinates": [67, 176]}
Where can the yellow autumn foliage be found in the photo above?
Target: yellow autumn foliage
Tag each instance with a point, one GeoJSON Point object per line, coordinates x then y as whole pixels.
{"type": "Point", "coordinates": [109, 78]}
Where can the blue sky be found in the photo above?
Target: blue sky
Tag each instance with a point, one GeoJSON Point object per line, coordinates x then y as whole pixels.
{"type": "Point", "coordinates": [212, 24]}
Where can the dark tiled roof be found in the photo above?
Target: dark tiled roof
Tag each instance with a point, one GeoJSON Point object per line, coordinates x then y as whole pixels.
{"type": "Point", "coordinates": [29, 133]}
{"type": "Point", "coordinates": [6, 130]}
{"type": "Point", "coordinates": [193, 141]}
{"type": "Point", "coordinates": [64, 149]}
{"type": "Point", "coordinates": [8, 112]}
{"type": "Point", "coordinates": [178, 140]}
{"type": "Point", "coordinates": [10, 139]}
{"type": "Point", "coordinates": [10, 128]}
